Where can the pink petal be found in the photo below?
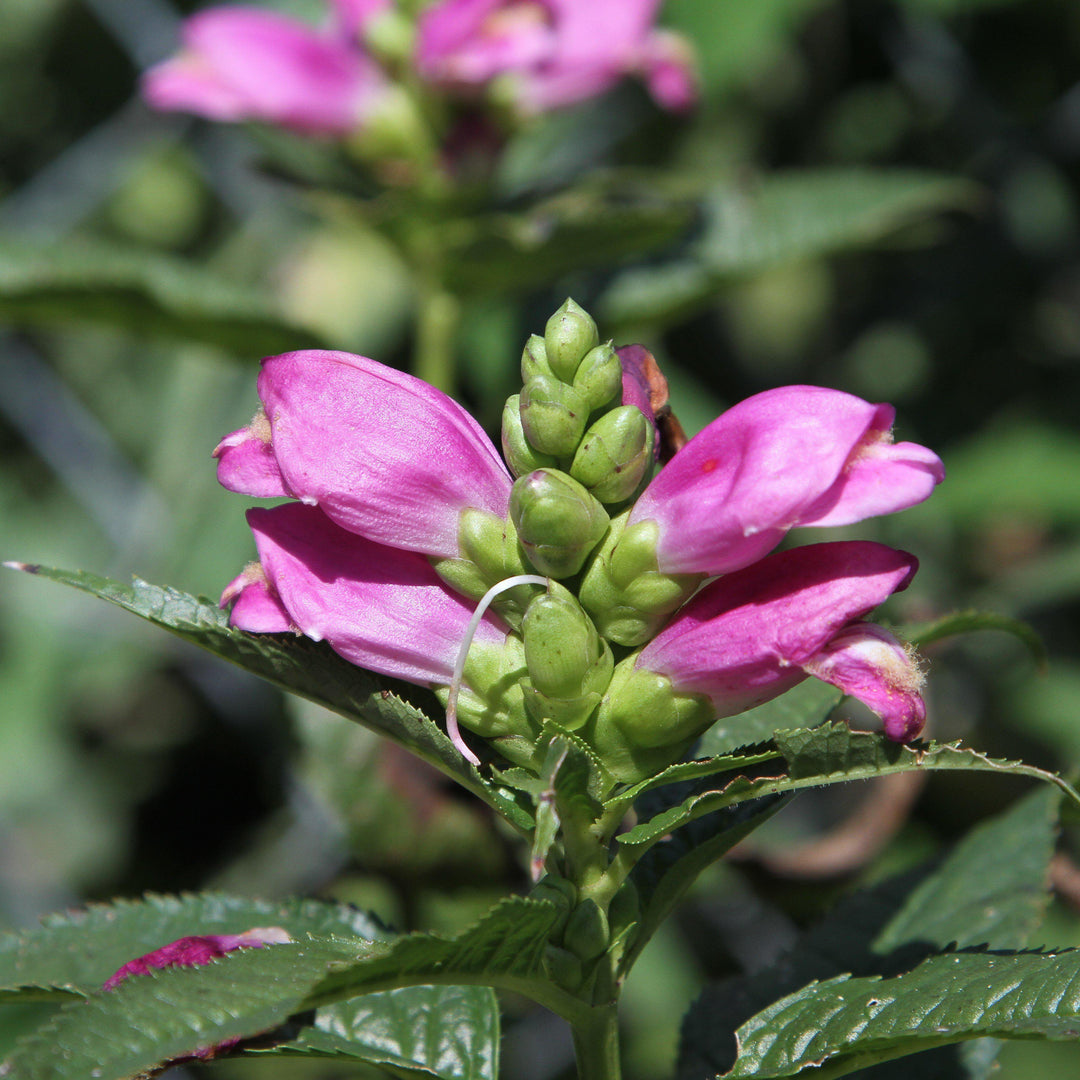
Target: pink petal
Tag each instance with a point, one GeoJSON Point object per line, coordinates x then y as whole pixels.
{"type": "Point", "coordinates": [246, 462]}
{"type": "Point", "coordinates": [867, 662]}
{"type": "Point", "coordinates": [379, 607]}
{"type": "Point", "coordinates": [748, 636]}
{"type": "Point", "coordinates": [382, 453]}
{"type": "Point", "coordinates": [667, 63]}
{"type": "Point", "coordinates": [774, 461]}
{"type": "Point", "coordinates": [256, 607]}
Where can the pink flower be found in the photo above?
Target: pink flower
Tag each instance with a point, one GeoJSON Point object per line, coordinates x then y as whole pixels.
{"type": "Point", "coordinates": [381, 608]}
{"type": "Point", "coordinates": [753, 634]}
{"type": "Point", "coordinates": [557, 52]}
{"type": "Point", "coordinates": [797, 455]}
{"type": "Point", "coordinates": [242, 63]}
{"type": "Point", "coordinates": [382, 453]}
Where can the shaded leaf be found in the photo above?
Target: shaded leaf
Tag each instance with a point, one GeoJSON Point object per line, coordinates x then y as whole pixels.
{"type": "Point", "coordinates": [144, 293]}
{"type": "Point", "coordinates": [310, 669]}
{"type": "Point", "coordinates": [966, 622]}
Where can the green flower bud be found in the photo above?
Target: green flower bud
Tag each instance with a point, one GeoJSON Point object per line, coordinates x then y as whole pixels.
{"type": "Point", "coordinates": [390, 36]}
{"type": "Point", "coordinates": [534, 359]}
{"type": "Point", "coordinates": [643, 725]}
{"type": "Point", "coordinates": [557, 520]}
{"type": "Point", "coordinates": [599, 377]}
{"type": "Point", "coordinates": [519, 454]}
{"type": "Point", "coordinates": [570, 333]}
{"type": "Point", "coordinates": [623, 589]}
{"type": "Point", "coordinates": [553, 415]}
{"type": "Point", "coordinates": [586, 934]}
{"type": "Point", "coordinates": [615, 455]}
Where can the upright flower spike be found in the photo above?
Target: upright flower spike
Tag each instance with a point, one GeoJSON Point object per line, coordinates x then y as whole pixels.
{"type": "Point", "coordinates": [382, 453]}
{"type": "Point", "coordinates": [240, 63]}
{"type": "Point", "coordinates": [552, 53]}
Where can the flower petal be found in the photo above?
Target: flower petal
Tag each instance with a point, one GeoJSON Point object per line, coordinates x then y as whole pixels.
{"type": "Point", "coordinates": [382, 453]}
{"type": "Point", "coordinates": [246, 462]}
{"type": "Point", "coordinates": [256, 607]}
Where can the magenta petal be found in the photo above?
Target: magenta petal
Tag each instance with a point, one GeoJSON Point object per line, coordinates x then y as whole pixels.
{"type": "Point", "coordinates": [382, 453]}
{"type": "Point", "coordinates": [246, 463]}
{"type": "Point", "coordinates": [256, 607]}
{"type": "Point", "coordinates": [748, 636]}
{"type": "Point", "coordinates": [867, 662]}
{"type": "Point", "coordinates": [379, 607]}
{"type": "Point", "coordinates": [668, 67]}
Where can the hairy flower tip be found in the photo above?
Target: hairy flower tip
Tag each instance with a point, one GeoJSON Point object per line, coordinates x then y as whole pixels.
{"type": "Point", "coordinates": [552, 53]}
{"type": "Point", "coordinates": [240, 63]}
{"type": "Point", "coordinates": [753, 634]}
{"type": "Point", "coordinates": [197, 950]}
{"type": "Point", "coordinates": [380, 452]}
{"type": "Point", "coordinates": [797, 455]}
{"type": "Point", "coordinates": [256, 606]}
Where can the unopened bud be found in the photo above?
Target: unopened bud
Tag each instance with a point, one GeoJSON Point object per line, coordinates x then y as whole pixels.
{"type": "Point", "coordinates": [586, 934]}
{"type": "Point", "coordinates": [490, 702]}
{"type": "Point", "coordinates": [557, 520]}
{"type": "Point", "coordinates": [553, 415]}
{"type": "Point", "coordinates": [570, 333]}
{"type": "Point", "coordinates": [615, 454]}
{"type": "Point", "coordinates": [519, 454]}
{"type": "Point", "coordinates": [534, 359]}
{"type": "Point", "coordinates": [599, 376]}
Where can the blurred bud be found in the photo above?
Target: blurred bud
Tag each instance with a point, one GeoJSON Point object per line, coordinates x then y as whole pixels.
{"type": "Point", "coordinates": [600, 375]}
{"type": "Point", "coordinates": [519, 454]}
{"type": "Point", "coordinates": [553, 415]}
{"type": "Point", "coordinates": [615, 455]}
{"type": "Point", "coordinates": [586, 934]}
{"type": "Point", "coordinates": [390, 36]}
{"type": "Point", "coordinates": [570, 333]}
{"type": "Point", "coordinates": [558, 521]}
{"type": "Point", "coordinates": [623, 589]}
{"type": "Point", "coordinates": [534, 359]}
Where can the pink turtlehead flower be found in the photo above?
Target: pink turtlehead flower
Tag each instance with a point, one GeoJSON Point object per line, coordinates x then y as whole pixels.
{"type": "Point", "coordinates": [381, 453]}
{"type": "Point", "coordinates": [381, 608]}
{"type": "Point", "coordinates": [797, 455]}
{"type": "Point", "coordinates": [554, 52]}
{"type": "Point", "coordinates": [241, 63]}
{"type": "Point", "coordinates": [755, 633]}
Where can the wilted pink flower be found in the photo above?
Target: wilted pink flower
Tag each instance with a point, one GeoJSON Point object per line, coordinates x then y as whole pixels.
{"type": "Point", "coordinates": [380, 607]}
{"type": "Point", "coordinates": [797, 455]}
{"type": "Point", "coordinates": [380, 452]}
{"type": "Point", "coordinates": [753, 634]}
{"type": "Point", "coordinates": [556, 52]}
{"type": "Point", "coordinates": [241, 63]}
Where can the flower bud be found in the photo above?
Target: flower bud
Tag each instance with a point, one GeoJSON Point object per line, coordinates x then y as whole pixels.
{"type": "Point", "coordinates": [534, 359]}
{"type": "Point", "coordinates": [586, 934]}
{"type": "Point", "coordinates": [623, 589]}
{"type": "Point", "coordinates": [558, 521]}
{"type": "Point", "coordinates": [615, 455]}
{"type": "Point", "coordinates": [600, 376]}
{"type": "Point", "coordinates": [570, 333]}
{"type": "Point", "coordinates": [519, 454]}
{"type": "Point", "coordinates": [553, 415]}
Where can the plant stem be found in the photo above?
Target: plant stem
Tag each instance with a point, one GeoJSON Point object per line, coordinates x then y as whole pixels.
{"type": "Point", "coordinates": [437, 321]}
{"type": "Point", "coordinates": [596, 1044]}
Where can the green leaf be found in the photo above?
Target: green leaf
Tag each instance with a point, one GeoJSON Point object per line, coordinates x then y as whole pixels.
{"type": "Point", "coordinates": [804, 706]}
{"type": "Point", "coordinates": [830, 754]}
{"type": "Point", "coordinates": [142, 292]}
{"type": "Point", "coordinates": [75, 952]}
{"type": "Point", "coordinates": [966, 622]}
{"type": "Point", "coordinates": [414, 1032]}
{"type": "Point", "coordinates": [845, 1024]}
{"type": "Point", "coordinates": [310, 669]}
{"type": "Point", "coordinates": [780, 219]}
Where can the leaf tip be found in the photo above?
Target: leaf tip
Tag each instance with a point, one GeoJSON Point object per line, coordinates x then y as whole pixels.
{"type": "Point", "coordinates": [27, 568]}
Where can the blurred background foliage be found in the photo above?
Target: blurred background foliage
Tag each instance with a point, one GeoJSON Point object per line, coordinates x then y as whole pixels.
{"type": "Point", "coordinates": [930, 259]}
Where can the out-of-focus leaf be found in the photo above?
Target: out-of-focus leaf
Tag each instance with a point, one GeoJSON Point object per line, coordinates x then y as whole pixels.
{"type": "Point", "coordinates": [304, 667]}
{"type": "Point", "coordinates": [141, 292]}
{"type": "Point", "coordinates": [844, 1023]}
{"type": "Point", "coordinates": [75, 952]}
{"type": "Point", "coordinates": [966, 622]}
{"type": "Point", "coordinates": [780, 219]}
{"type": "Point", "coordinates": [415, 1032]}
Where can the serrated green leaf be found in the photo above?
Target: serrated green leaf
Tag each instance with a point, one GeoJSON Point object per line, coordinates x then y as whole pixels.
{"type": "Point", "coordinates": [414, 1032]}
{"type": "Point", "coordinates": [154, 1018]}
{"type": "Point", "coordinates": [831, 754]}
{"type": "Point", "coordinates": [844, 1024]}
{"type": "Point", "coordinates": [142, 292]}
{"type": "Point", "coordinates": [303, 667]}
{"type": "Point", "coordinates": [780, 219]}
{"type": "Point", "coordinates": [967, 622]}
{"type": "Point", "coordinates": [75, 952]}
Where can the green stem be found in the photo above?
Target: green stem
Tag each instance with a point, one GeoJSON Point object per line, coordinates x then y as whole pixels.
{"type": "Point", "coordinates": [596, 1044]}
{"type": "Point", "coordinates": [436, 330]}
